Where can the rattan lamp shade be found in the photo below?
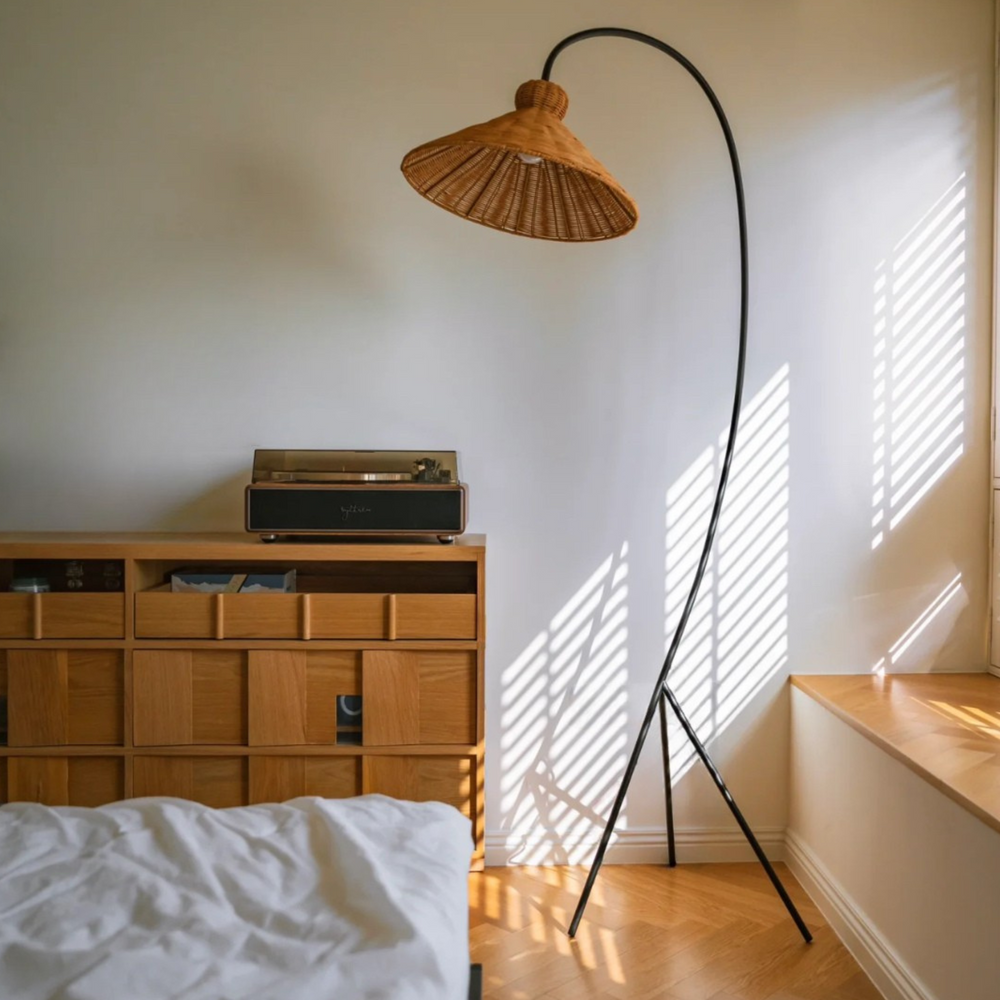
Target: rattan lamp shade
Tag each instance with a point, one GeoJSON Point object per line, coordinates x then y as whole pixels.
{"type": "Point", "coordinates": [524, 173]}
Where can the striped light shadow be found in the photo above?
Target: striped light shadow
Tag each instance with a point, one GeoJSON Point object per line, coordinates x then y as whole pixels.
{"type": "Point", "coordinates": [737, 635]}
{"type": "Point", "coordinates": [563, 722]}
{"type": "Point", "coordinates": [919, 358]}
{"type": "Point", "coordinates": [916, 643]}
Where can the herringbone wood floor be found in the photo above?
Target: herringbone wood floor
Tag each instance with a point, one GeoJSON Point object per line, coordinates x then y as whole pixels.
{"type": "Point", "coordinates": [695, 932]}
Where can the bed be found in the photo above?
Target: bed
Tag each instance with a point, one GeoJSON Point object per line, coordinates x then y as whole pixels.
{"type": "Point", "coordinates": [162, 898]}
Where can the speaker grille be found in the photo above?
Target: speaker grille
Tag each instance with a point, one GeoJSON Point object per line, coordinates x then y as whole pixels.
{"type": "Point", "coordinates": [421, 510]}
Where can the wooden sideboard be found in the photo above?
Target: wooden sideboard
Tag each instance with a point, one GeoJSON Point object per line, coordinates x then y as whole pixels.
{"type": "Point", "coordinates": [231, 699]}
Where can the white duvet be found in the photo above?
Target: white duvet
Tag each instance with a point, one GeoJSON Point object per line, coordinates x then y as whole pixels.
{"type": "Point", "coordinates": [157, 898]}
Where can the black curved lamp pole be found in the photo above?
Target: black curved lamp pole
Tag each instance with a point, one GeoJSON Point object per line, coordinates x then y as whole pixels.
{"type": "Point", "coordinates": [662, 694]}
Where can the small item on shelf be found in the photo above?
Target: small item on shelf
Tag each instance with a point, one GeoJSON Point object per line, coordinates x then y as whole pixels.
{"type": "Point", "coordinates": [350, 721]}
{"type": "Point", "coordinates": [30, 585]}
{"type": "Point", "coordinates": [112, 577]}
{"type": "Point", "coordinates": [74, 575]}
{"type": "Point", "coordinates": [190, 582]}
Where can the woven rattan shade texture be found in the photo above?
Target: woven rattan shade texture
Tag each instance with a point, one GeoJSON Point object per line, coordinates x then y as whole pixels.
{"type": "Point", "coordinates": [478, 173]}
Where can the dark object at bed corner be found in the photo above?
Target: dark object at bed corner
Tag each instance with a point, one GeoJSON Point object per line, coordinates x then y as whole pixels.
{"type": "Point", "coordinates": [476, 983]}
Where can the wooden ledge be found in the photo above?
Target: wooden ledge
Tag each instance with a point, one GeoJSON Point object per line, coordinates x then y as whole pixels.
{"type": "Point", "coordinates": [945, 727]}
{"type": "Point", "coordinates": [232, 545]}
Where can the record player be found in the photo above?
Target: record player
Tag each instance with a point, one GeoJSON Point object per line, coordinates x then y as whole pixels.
{"type": "Point", "coordinates": [315, 492]}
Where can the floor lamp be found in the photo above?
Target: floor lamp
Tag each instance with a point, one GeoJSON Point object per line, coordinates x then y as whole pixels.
{"type": "Point", "coordinates": [526, 173]}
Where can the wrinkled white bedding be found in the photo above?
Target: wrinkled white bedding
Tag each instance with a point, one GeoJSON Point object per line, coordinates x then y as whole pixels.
{"type": "Point", "coordinates": [155, 898]}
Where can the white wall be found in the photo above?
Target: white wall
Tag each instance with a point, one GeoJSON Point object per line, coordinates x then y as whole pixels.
{"type": "Point", "coordinates": [206, 247]}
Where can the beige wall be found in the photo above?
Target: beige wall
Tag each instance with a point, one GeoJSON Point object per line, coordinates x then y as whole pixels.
{"type": "Point", "coordinates": [206, 246]}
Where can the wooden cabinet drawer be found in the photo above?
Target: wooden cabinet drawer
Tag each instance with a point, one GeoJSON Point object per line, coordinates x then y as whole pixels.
{"type": "Point", "coordinates": [63, 696]}
{"type": "Point", "coordinates": [293, 694]}
{"type": "Point", "coordinates": [415, 697]}
{"type": "Point", "coordinates": [161, 614]}
{"type": "Point", "coordinates": [348, 616]}
{"type": "Point", "coordinates": [449, 779]}
{"type": "Point", "coordinates": [392, 616]}
{"type": "Point", "coordinates": [261, 616]}
{"type": "Point", "coordinates": [65, 781]}
{"type": "Point", "coordinates": [289, 697]}
{"type": "Point", "coordinates": [408, 697]}
{"type": "Point", "coordinates": [277, 779]}
{"type": "Point", "coordinates": [189, 697]}
{"type": "Point", "coordinates": [435, 616]}
{"type": "Point", "coordinates": [447, 697]}
{"type": "Point", "coordinates": [17, 615]}
{"type": "Point", "coordinates": [83, 616]}
{"type": "Point", "coordinates": [219, 782]}
{"type": "Point", "coordinates": [62, 616]}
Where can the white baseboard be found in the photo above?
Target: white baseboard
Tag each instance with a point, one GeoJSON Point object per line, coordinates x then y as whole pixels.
{"type": "Point", "coordinates": [637, 846]}
{"type": "Point", "coordinates": [995, 671]}
{"type": "Point", "coordinates": [878, 959]}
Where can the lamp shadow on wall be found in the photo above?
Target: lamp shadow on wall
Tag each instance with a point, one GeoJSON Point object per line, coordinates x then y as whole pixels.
{"type": "Point", "coordinates": [737, 636]}
{"type": "Point", "coordinates": [564, 705]}
{"type": "Point", "coordinates": [565, 697]}
{"type": "Point", "coordinates": [919, 415]}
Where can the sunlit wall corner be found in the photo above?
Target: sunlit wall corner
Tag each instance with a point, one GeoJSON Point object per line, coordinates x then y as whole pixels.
{"type": "Point", "coordinates": [919, 354]}
{"type": "Point", "coordinates": [737, 634]}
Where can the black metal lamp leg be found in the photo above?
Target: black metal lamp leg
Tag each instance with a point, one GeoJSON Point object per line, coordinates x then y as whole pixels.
{"type": "Point", "coordinates": [613, 817]}
{"type": "Point", "coordinates": [731, 802]}
{"type": "Point", "coordinates": [667, 786]}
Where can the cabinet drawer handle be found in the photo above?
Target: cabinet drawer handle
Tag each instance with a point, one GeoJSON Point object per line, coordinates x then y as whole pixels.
{"type": "Point", "coordinates": [305, 624]}
{"type": "Point", "coordinates": [390, 616]}
{"type": "Point", "coordinates": [220, 617]}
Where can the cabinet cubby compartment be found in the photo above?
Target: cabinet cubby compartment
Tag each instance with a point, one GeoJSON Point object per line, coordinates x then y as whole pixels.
{"type": "Point", "coordinates": [289, 697]}
{"type": "Point", "coordinates": [62, 781]}
{"type": "Point", "coordinates": [85, 606]}
{"type": "Point", "coordinates": [275, 779]}
{"type": "Point", "coordinates": [447, 778]}
{"type": "Point", "coordinates": [217, 781]}
{"type": "Point", "coordinates": [74, 576]}
{"type": "Point", "coordinates": [59, 697]}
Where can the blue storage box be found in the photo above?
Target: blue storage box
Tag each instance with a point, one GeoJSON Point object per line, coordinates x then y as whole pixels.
{"type": "Point", "coordinates": [190, 582]}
